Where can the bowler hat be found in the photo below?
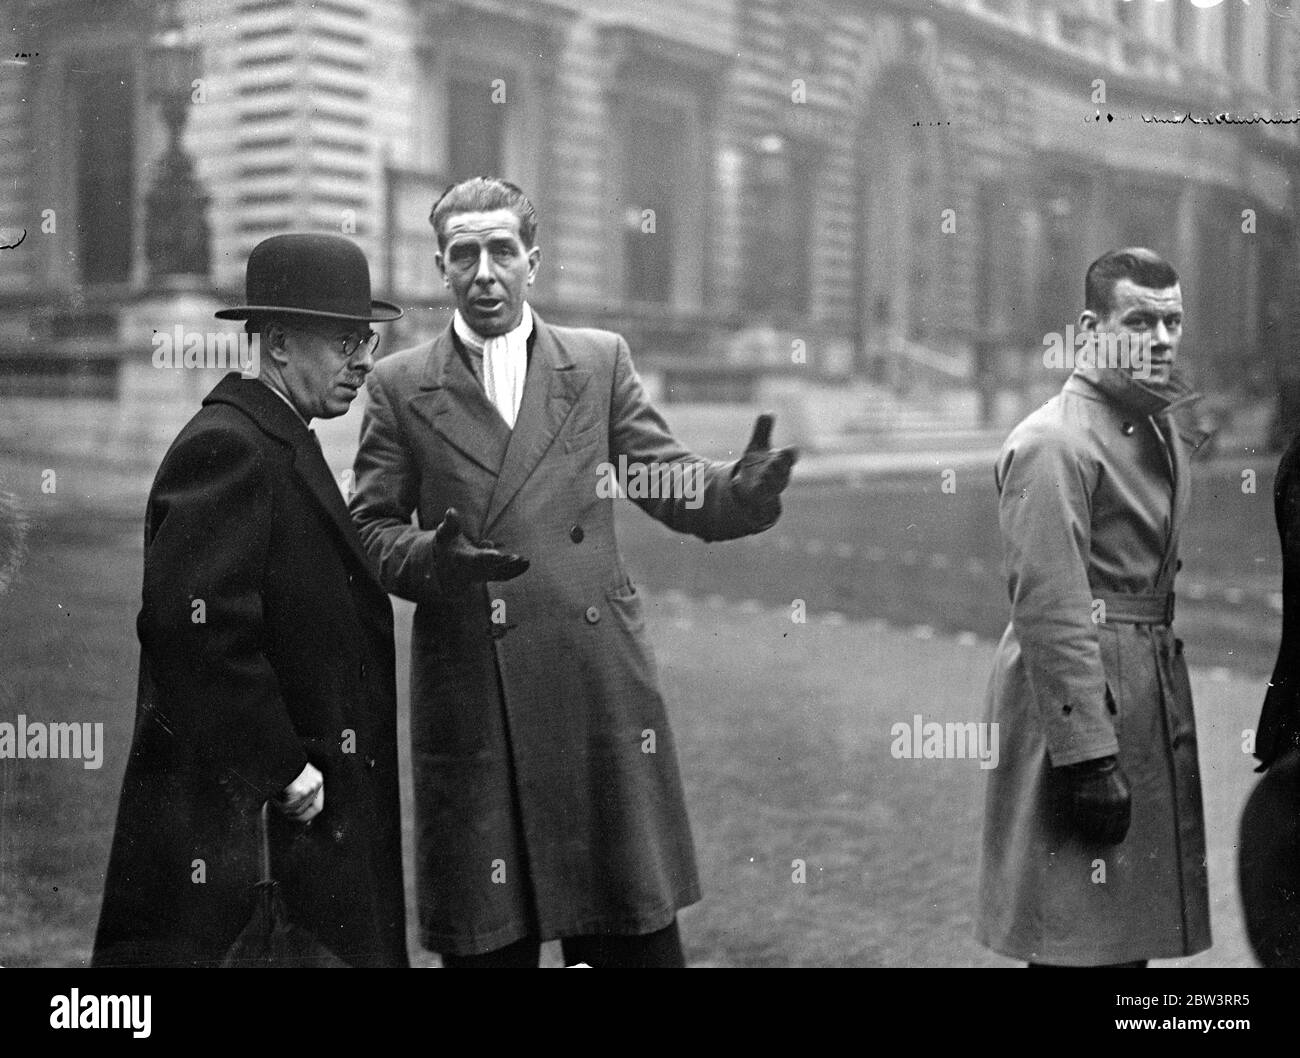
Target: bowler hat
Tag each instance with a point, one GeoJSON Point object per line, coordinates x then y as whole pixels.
{"type": "Point", "coordinates": [310, 275]}
{"type": "Point", "coordinates": [1268, 864]}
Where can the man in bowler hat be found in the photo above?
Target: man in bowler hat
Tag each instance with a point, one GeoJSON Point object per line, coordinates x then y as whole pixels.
{"type": "Point", "coordinates": [548, 800]}
{"type": "Point", "coordinates": [266, 663]}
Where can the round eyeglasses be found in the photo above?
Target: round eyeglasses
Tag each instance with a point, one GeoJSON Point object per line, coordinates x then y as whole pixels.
{"type": "Point", "coordinates": [355, 343]}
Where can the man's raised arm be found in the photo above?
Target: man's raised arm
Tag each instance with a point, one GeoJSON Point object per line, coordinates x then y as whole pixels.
{"type": "Point", "coordinates": [716, 500]}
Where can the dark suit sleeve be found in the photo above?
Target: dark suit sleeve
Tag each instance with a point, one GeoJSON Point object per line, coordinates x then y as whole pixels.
{"type": "Point", "coordinates": [1279, 723]}
{"type": "Point", "coordinates": [201, 623]}
{"type": "Point", "coordinates": [387, 492]}
{"type": "Point", "coordinates": [705, 506]}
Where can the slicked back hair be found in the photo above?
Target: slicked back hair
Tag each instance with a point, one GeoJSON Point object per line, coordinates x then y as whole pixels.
{"type": "Point", "coordinates": [482, 194]}
{"type": "Point", "coordinates": [1144, 267]}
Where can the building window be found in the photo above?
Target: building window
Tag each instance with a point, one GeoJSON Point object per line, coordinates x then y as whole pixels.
{"type": "Point", "coordinates": [783, 193]}
{"type": "Point", "coordinates": [1279, 42]}
{"type": "Point", "coordinates": [1068, 242]}
{"type": "Point", "coordinates": [1184, 28]}
{"type": "Point", "coordinates": [476, 127]}
{"type": "Point", "coordinates": [660, 181]}
{"type": "Point", "coordinates": [901, 251]}
{"type": "Point", "coordinates": [1131, 33]}
{"type": "Point", "coordinates": [103, 107]}
{"type": "Point", "coordinates": [652, 168]}
{"type": "Point", "coordinates": [1232, 39]}
{"type": "Point", "coordinates": [922, 266]}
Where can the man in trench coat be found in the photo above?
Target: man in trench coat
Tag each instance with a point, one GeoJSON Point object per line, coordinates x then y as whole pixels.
{"type": "Point", "coordinates": [266, 664]}
{"type": "Point", "coordinates": [1094, 843]}
{"type": "Point", "coordinates": [548, 800]}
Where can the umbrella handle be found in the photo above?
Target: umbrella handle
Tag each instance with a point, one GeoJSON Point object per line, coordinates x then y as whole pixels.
{"type": "Point", "coordinates": [265, 835]}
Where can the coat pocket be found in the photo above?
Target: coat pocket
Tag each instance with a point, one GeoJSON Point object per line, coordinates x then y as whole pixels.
{"type": "Point", "coordinates": [626, 602]}
{"type": "Point", "coordinates": [1112, 707]}
{"type": "Point", "coordinates": [1112, 667]}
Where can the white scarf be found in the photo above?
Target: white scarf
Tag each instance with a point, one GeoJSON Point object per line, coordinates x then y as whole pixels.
{"type": "Point", "coordinates": [505, 362]}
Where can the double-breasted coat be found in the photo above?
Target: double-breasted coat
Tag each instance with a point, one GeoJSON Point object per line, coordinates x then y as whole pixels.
{"type": "Point", "coordinates": [548, 798]}
{"type": "Point", "coordinates": [1093, 491]}
{"type": "Point", "coordinates": [266, 643]}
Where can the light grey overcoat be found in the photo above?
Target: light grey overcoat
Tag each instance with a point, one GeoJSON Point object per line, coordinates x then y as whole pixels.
{"type": "Point", "coordinates": [548, 800]}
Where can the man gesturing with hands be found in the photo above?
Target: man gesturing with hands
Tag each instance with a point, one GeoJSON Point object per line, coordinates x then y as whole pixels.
{"type": "Point", "coordinates": [548, 801]}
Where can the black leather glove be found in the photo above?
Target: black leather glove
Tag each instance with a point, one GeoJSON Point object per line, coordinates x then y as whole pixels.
{"type": "Point", "coordinates": [460, 562]}
{"type": "Point", "coordinates": [1098, 800]}
{"type": "Point", "coordinates": [762, 473]}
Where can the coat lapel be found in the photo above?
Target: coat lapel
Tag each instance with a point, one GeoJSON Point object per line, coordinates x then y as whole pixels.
{"type": "Point", "coordinates": [277, 419]}
{"type": "Point", "coordinates": [309, 463]}
{"type": "Point", "coordinates": [551, 388]}
{"type": "Point", "coordinates": [1184, 436]}
{"type": "Point", "coordinates": [452, 401]}
{"type": "Point", "coordinates": [1181, 460]}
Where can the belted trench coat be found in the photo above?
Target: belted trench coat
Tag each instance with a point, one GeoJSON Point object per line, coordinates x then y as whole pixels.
{"type": "Point", "coordinates": [1093, 492]}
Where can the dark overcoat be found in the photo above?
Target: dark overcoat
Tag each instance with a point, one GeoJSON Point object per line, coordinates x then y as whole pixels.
{"type": "Point", "coordinates": [1279, 723]}
{"type": "Point", "coordinates": [548, 799]}
{"type": "Point", "coordinates": [1093, 495]}
{"type": "Point", "coordinates": [266, 643]}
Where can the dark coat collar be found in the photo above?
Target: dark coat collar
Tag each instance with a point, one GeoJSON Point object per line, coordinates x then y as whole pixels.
{"type": "Point", "coordinates": [277, 420]}
{"type": "Point", "coordinates": [268, 410]}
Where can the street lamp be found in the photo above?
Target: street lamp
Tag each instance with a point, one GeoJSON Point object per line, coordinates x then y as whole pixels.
{"type": "Point", "coordinates": [176, 238]}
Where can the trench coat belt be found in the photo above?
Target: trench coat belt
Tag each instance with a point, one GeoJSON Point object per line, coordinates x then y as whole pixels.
{"type": "Point", "coordinates": [1138, 608]}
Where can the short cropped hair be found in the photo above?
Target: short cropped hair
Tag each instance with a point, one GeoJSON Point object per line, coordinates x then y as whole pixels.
{"type": "Point", "coordinates": [481, 194]}
{"type": "Point", "coordinates": [1144, 267]}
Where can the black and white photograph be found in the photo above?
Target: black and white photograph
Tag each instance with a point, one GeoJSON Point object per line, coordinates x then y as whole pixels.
{"type": "Point", "coordinates": [650, 484]}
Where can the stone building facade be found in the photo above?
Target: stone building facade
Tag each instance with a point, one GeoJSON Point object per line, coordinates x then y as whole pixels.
{"type": "Point", "coordinates": [910, 187]}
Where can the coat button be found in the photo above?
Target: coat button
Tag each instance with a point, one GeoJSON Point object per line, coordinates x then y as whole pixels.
{"type": "Point", "coordinates": [593, 615]}
{"type": "Point", "coordinates": [576, 534]}
{"type": "Point", "coordinates": [1126, 429]}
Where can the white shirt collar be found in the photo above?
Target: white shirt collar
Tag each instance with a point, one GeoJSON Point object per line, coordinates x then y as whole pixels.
{"type": "Point", "coordinates": [475, 342]}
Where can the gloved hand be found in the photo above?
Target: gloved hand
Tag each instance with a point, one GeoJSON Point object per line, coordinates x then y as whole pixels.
{"type": "Point", "coordinates": [459, 562]}
{"type": "Point", "coordinates": [758, 479]}
{"type": "Point", "coordinates": [1098, 800]}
